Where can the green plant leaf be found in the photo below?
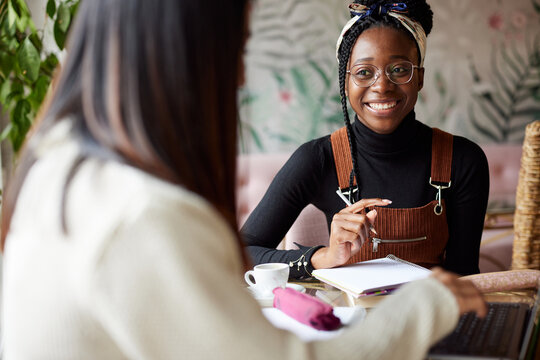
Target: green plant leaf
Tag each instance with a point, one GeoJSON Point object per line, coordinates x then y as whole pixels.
{"type": "Point", "coordinates": [24, 77]}
{"type": "Point", "coordinates": [36, 40]}
{"type": "Point", "coordinates": [49, 64]}
{"type": "Point", "coordinates": [29, 61]}
{"type": "Point", "coordinates": [5, 29]}
{"type": "Point", "coordinates": [73, 9]}
{"type": "Point", "coordinates": [51, 8]}
{"type": "Point", "coordinates": [38, 93]}
{"type": "Point", "coordinates": [20, 123]}
{"type": "Point", "coordinates": [14, 137]}
{"type": "Point", "coordinates": [22, 23]}
{"type": "Point", "coordinates": [61, 25]}
{"type": "Point", "coordinates": [63, 18]}
{"type": "Point", "coordinates": [9, 42]}
{"type": "Point", "coordinates": [22, 8]}
{"type": "Point", "coordinates": [59, 36]}
{"type": "Point", "coordinates": [6, 63]}
{"type": "Point", "coordinates": [17, 91]}
{"type": "Point", "coordinates": [5, 89]}
{"type": "Point", "coordinates": [12, 15]}
{"type": "Point", "coordinates": [22, 19]}
{"type": "Point", "coordinates": [21, 111]}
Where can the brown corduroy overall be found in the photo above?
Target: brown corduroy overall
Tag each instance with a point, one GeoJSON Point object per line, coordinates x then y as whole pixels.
{"type": "Point", "coordinates": [418, 235]}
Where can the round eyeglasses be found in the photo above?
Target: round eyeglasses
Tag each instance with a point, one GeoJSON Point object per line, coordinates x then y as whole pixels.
{"type": "Point", "coordinates": [365, 75]}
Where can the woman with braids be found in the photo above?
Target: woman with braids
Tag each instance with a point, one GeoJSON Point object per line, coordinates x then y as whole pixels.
{"type": "Point", "coordinates": [403, 188]}
{"type": "Point", "coordinates": [119, 224]}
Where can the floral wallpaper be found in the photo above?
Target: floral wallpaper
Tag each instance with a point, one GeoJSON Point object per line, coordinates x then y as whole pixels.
{"type": "Point", "coordinates": [482, 77]}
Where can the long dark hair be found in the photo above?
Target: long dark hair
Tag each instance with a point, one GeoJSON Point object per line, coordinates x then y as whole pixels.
{"type": "Point", "coordinates": [152, 84]}
{"type": "Point", "coordinates": [418, 10]}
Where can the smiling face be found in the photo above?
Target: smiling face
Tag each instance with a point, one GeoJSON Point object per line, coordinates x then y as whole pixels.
{"type": "Point", "coordinates": [383, 105]}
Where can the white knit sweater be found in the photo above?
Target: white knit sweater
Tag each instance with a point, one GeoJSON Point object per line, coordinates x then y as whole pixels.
{"type": "Point", "coordinates": [148, 270]}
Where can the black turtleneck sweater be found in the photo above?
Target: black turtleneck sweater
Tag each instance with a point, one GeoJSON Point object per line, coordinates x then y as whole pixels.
{"type": "Point", "coordinates": [392, 166]}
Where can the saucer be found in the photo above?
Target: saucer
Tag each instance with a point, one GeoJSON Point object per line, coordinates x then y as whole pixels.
{"type": "Point", "coordinates": [268, 300]}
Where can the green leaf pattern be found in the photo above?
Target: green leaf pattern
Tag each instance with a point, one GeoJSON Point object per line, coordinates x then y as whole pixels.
{"type": "Point", "coordinates": [28, 60]}
{"type": "Point", "coordinates": [481, 73]}
{"type": "Point", "coordinates": [26, 67]}
{"type": "Point", "coordinates": [292, 93]}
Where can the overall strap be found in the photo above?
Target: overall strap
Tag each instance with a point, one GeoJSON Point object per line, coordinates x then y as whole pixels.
{"type": "Point", "coordinates": [342, 157]}
{"type": "Point", "coordinates": [441, 157]}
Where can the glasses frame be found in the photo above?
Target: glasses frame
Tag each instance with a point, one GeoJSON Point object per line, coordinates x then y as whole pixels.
{"type": "Point", "coordinates": [379, 71]}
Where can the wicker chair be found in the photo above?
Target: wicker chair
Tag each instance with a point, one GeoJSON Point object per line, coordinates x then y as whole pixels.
{"type": "Point", "coordinates": [526, 246]}
{"type": "Point", "coordinates": [525, 273]}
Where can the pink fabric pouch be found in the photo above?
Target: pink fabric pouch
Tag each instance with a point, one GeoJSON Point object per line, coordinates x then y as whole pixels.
{"type": "Point", "coordinates": [305, 308]}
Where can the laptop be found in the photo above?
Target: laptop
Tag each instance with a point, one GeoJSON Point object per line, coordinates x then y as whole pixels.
{"type": "Point", "coordinates": [504, 334]}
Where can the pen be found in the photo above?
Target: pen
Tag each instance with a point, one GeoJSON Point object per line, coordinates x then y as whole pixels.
{"type": "Point", "coordinates": [340, 194]}
{"type": "Point", "coordinates": [379, 292]}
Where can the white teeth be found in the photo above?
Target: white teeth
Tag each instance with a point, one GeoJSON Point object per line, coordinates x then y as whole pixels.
{"type": "Point", "coordinates": [382, 106]}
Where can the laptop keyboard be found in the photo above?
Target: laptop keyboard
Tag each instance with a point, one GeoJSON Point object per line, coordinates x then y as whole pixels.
{"type": "Point", "coordinates": [488, 336]}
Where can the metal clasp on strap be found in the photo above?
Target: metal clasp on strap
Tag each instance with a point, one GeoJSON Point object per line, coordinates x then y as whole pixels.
{"type": "Point", "coordinates": [438, 209]}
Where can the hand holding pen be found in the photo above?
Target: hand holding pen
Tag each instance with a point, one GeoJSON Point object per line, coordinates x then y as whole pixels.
{"type": "Point", "coordinates": [349, 230]}
{"type": "Point", "coordinates": [348, 203]}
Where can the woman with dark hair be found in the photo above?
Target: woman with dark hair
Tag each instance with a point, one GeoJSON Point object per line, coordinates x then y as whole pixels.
{"type": "Point", "coordinates": [403, 188]}
{"type": "Point", "coordinates": [119, 223]}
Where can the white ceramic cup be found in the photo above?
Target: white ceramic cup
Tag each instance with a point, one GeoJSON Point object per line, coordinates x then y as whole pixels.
{"type": "Point", "coordinates": [267, 277]}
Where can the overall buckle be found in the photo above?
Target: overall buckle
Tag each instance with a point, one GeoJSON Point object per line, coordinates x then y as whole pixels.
{"type": "Point", "coordinates": [438, 209]}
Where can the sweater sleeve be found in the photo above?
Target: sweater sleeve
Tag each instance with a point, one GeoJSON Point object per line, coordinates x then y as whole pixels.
{"type": "Point", "coordinates": [168, 285]}
{"type": "Point", "coordinates": [291, 190]}
{"type": "Point", "coordinates": [403, 326]}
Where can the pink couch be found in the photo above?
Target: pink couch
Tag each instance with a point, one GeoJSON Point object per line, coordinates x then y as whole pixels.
{"type": "Point", "coordinates": [498, 236]}
{"type": "Point", "coordinates": [255, 172]}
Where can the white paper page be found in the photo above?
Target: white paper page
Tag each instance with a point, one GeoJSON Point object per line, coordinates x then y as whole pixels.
{"type": "Point", "coordinates": [347, 315]}
{"type": "Point", "coordinates": [371, 274]}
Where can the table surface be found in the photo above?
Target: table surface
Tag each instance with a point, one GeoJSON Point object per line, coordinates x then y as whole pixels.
{"type": "Point", "coordinates": [338, 298]}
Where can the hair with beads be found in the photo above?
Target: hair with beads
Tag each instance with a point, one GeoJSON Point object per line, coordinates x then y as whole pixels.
{"type": "Point", "coordinates": [417, 10]}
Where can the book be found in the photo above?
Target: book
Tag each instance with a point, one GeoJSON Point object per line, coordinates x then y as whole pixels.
{"type": "Point", "coordinates": [372, 277]}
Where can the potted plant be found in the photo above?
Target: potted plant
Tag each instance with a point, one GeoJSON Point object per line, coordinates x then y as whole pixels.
{"type": "Point", "coordinates": [26, 65]}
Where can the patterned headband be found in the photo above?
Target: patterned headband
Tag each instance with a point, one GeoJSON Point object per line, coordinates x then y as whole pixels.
{"type": "Point", "coordinates": [396, 10]}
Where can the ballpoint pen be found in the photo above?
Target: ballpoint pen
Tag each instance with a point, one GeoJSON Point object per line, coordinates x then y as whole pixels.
{"type": "Point", "coordinates": [340, 194]}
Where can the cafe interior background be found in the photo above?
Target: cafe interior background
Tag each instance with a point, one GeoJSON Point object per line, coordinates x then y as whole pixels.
{"type": "Point", "coordinates": [482, 72]}
{"type": "Point", "coordinates": [482, 77]}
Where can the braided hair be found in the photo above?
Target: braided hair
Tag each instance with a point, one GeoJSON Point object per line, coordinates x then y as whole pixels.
{"type": "Point", "coordinates": [419, 11]}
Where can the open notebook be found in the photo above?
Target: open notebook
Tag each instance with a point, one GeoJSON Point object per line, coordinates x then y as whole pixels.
{"type": "Point", "coordinates": [372, 277]}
